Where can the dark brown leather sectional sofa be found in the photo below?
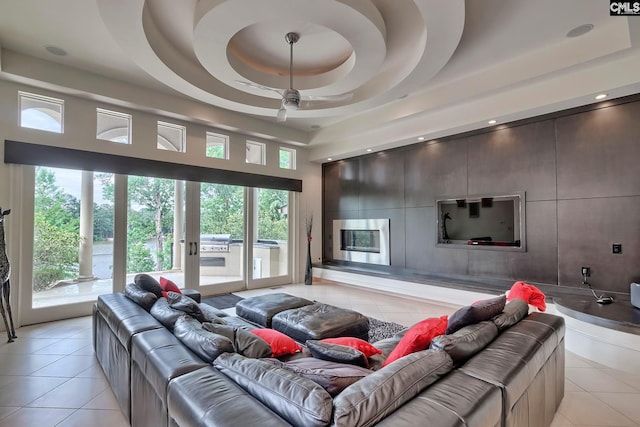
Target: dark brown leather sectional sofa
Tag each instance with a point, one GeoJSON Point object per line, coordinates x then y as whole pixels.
{"type": "Point", "coordinates": [516, 380]}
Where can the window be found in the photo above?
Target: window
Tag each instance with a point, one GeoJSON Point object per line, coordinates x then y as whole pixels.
{"type": "Point", "coordinates": [41, 112]}
{"type": "Point", "coordinates": [113, 126]}
{"type": "Point", "coordinates": [256, 153]}
{"type": "Point", "coordinates": [171, 137]}
{"type": "Point", "coordinates": [287, 158]}
{"type": "Point", "coordinates": [217, 146]}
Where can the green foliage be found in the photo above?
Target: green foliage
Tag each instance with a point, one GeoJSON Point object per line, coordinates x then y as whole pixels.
{"type": "Point", "coordinates": [102, 221]}
{"type": "Point", "coordinates": [273, 208]}
{"type": "Point", "coordinates": [222, 210]}
{"type": "Point", "coordinates": [55, 252]}
{"type": "Point", "coordinates": [215, 151]}
{"type": "Point", "coordinates": [139, 258]}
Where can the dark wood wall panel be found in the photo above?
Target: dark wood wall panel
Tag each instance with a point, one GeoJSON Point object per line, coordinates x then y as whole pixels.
{"type": "Point", "coordinates": [514, 159]}
{"type": "Point", "coordinates": [422, 253]}
{"type": "Point", "coordinates": [586, 230]}
{"type": "Point", "coordinates": [434, 170]}
{"type": "Point", "coordinates": [599, 152]}
{"type": "Point", "coordinates": [579, 171]}
{"type": "Point", "coordinates": [381, 181]}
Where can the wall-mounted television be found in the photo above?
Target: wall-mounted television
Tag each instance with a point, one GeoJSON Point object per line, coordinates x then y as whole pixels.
{"type": "Point", "coordinates": [489, 221]}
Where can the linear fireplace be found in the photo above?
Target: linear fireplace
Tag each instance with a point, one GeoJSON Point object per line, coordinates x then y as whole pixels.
{"type": "Point", "coordinates": [361, 240]}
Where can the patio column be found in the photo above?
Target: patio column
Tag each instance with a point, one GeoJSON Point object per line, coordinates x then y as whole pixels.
{"type": "Point", "coordinates": [86, 228]}
{"type": "Point", "coordinates": [178, 213]}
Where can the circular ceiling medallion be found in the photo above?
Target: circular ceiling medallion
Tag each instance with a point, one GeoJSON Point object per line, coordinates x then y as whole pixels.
{"type": "Point", "coordinates": [232, 54]}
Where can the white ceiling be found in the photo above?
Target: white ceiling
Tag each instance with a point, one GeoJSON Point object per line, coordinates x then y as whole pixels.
{"type": "Point", "coordinates": [414, 68]}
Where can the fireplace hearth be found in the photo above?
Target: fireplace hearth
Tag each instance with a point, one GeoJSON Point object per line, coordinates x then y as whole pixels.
{"type": "Point", "coordinates": [361, 240]}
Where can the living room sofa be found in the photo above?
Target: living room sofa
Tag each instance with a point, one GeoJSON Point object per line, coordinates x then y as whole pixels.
{"type": "Point", "coordinates": [517, 379]}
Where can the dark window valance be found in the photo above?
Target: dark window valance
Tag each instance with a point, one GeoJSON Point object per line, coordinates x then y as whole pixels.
{"type": "Point", "coordinates": [44, 155]}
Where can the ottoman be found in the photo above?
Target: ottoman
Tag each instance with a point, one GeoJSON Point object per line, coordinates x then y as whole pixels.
{"type": "Point", "coordinates": [261, 309]}
{"type": "Point", "coordinates": [318, 321]}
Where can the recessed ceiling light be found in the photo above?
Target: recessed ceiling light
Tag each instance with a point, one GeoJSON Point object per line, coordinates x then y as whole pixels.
{"type": "Point", "coordinates": [580, 30]}
{"type": "Point", "coordinates": [421, 138]}
{"type": "Point", "coordinates": [601, 96]}
{"type": "Point", "coordinates": [54, 50]}
{"type": "Point", "coordinates": [329, 158]}
{"type": "Point", "coordinates": [492, 122]}
{"type": "Point", "coordinates": [368, 150]}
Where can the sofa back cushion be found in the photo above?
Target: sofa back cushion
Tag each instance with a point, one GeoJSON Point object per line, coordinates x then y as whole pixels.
{"type": "Point", "coordinates": [467, 341]}
{"type": "Point", "coordinates": [477, 312]}
{"type": "Point", "coordinates": [244, 342]}
{"type": "Point", "coordinates": [514, 311]}
{"type": "Point", "coordinates": [141, 297]}
{"type": "Point", "coordinates": [205, 344]}
{"type": "Point", "coordinates": [148, 283]}
{"type": "Point", "coordinates": [165, 314]}
{"type": "Point", "coordinates": [298, 400]}
{"type": "Point", "coordinates": [331, 376]}
{"type": "Point", "coordinates": [369, 400]}
{"type": "Point", "coordinates": [337, 353]}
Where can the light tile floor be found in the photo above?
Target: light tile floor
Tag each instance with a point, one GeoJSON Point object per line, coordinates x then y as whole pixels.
{"type": "Point", "coordinates": [49, 376]}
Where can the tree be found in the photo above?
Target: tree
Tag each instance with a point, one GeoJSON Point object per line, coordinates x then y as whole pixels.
{"type": "Point", "coordinates": [272, 214]}
{"type": "Point", "coordinates": [222, 210]}
{"type": "Point", "coordinates": [56, 232]}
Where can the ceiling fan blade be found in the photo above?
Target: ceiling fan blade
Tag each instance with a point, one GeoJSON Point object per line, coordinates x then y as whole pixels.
{"type": "Point", "coordinates": [334, 98]}
{"type": "Point", "coordinates": [282, 114]}
{"type": "Point", "coordinates": [258, 86]}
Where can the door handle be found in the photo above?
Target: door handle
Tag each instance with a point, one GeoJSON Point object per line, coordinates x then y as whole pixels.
{"type": "Point", "coordinates": [195, 244]}
{"type": "Point", "coordinates": [190, 248]}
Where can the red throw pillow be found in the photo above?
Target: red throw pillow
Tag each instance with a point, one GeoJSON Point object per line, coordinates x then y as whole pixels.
{"type": "Point", "coordinates": [418, 337]}
{"type": "Point", "coordinates": [280, 343]}
{"type": "Point", "coordinates": [529, 293]}
{"type": "Point", "coordinates": [169, 286]}
{"type": "Point", "coordinates": [356, 343]}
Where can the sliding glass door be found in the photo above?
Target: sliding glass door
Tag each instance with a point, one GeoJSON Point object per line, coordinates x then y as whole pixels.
{"type": "Point", "coordinates": [92, 232]}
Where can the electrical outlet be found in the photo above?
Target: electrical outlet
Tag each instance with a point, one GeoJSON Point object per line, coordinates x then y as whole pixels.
{"type": "Point", "coordinates": [616, 248]}
{"type": "Point", "coordinates": [586, 272]}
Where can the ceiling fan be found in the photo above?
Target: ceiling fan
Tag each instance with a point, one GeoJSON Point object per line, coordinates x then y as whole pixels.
{"type": "Point", "coordinates": [291, 97]}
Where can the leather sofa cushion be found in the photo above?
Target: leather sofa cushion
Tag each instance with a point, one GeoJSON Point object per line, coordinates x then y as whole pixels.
{"type": "Point", "coordinates": [476, 312]}
{"type": "Point", "coordinates": [512, 360]}
{"type": "Point", "coordinates": [207, 345]}
{"type": "Point", "coordinates": [261, 309]}
{"type": "Point", "coordinates": [161, 356]}
{"type": "Point", "coordinates": [337, 353]}
{"type": "Point", "coordinates": [467, 341]}
{"type": "Point", "coordinates": [456, 400]}
{"type": "Point", "coordinates": [514, 311]}
{"type": "Point", "coordinates": [141, 297]}
{"type": "Point", "coordinates": [148, 283]}
{"type": "Point", "coordinates": [331, 376]}
{"type": "Point", "coordinates": [211, 312]}
{"type": "Point", "coordinates": [298, 400]}
{"type": "Point", "coordinates": [374, 397]}
{"type": "Point", "coordinates": [244, 342]}
{"type": "Point", "coordinates": [124, 317]}
{"type": "Point", "coordinates": [207, 398]}
{"type": "Point", "coordinates": [165, 314]}
{"type": "Point", "coordinates": [186, 305]}
{"type": "Point", "coordinates": [318, 321]}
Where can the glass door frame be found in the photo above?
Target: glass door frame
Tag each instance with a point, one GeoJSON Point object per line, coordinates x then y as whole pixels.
{"type": "Point", "coordinates": [21, 233]}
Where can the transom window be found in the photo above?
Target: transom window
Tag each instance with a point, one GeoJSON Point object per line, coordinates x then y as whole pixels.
{"type": "Point", "coordinates": [171, 137]}
{"type": "Point", "coordinates": [113, 126]}
{"type": "Point", "coordinates": [217, 146]}
{"type": "Point", "coordinates": [287, 158]}
{"type": "Point", "coordinates": [41, 112]}
{"type": "Point", "coordinates": [256, 153]}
